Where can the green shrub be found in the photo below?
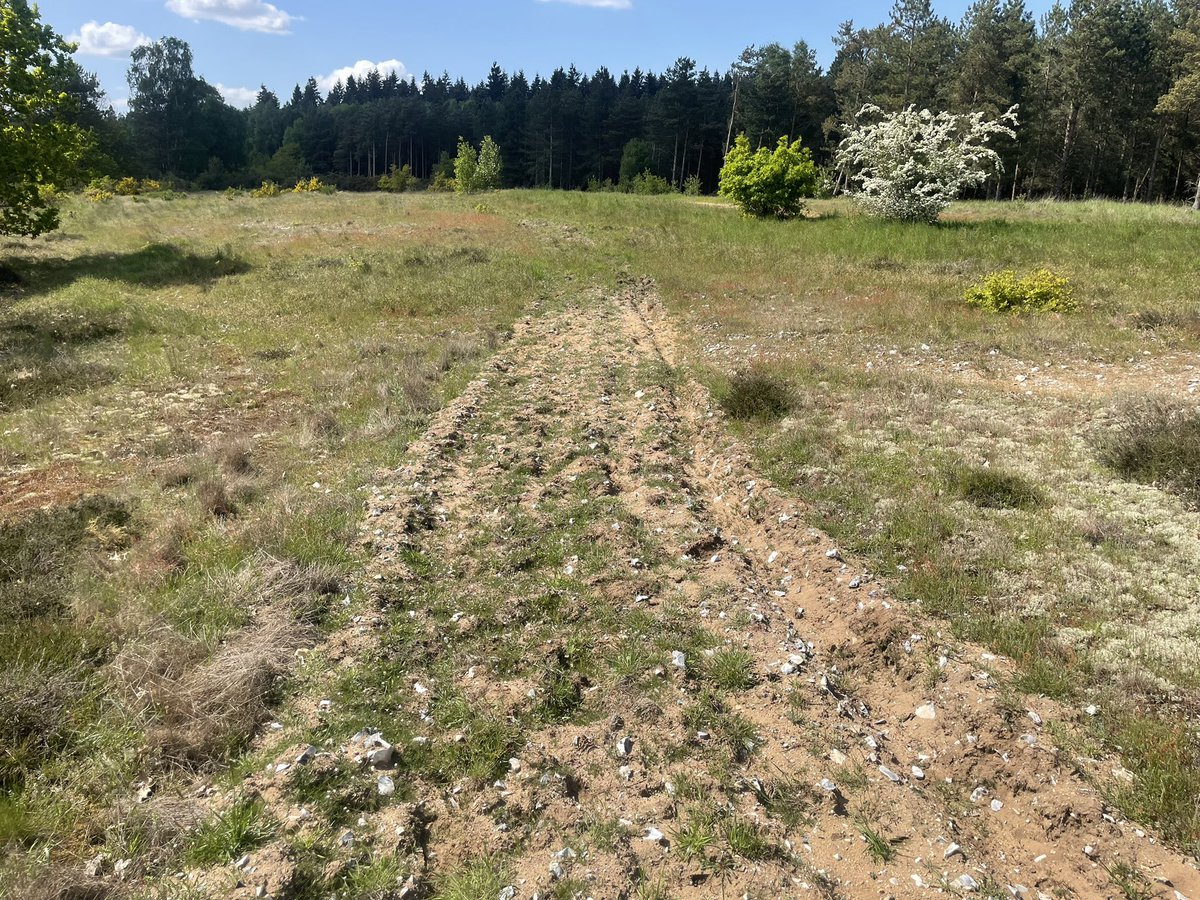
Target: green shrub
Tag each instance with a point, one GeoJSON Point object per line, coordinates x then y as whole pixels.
{"type": "Point", "coordinates": [756, 396]}
{"type": "Point", "coordinates": [312, 185]}
{"type": "Point", "coordinates": [100, 189]}
{"type": "Point", "coordinates": [441, 183]}
{"type": "Point", "coordinates": [1040, 291]}
{"type": "Point", "coordinates": [477, 170]}
{"type": "Point", "coordinates": [396, 181]}
{"type": "Point", "coordinates": [691, 186]}
{"type": "Point", "coordinates": [649, 184]}
{"type": "Point", "coordinates": [769, 183]}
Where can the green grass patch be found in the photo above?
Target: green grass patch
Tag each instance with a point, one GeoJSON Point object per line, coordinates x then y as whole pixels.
{"type": "Point", "coordinates": [225, 836]}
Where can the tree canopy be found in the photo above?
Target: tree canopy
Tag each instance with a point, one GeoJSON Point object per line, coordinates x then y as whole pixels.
{"type": "Point", "coordinates": [40, 144]}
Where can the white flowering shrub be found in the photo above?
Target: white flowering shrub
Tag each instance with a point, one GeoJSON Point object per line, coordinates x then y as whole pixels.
{"type": "Point", "coordinates": [910, 164]}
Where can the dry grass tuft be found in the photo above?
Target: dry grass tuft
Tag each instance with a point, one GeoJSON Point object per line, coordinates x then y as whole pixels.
{"type": "Point", "coordinates": [35, 716]}
{"type": "Point", "coordinates": [1156, 442]}
{"type": "Point", "coordinates": [756, 395]}
{"type": "Point", "coordinates": [206, 711]}
{"type": "Point", "coordinates": [162, 554]}
{"type": "Point", "coordinates": [233, 457]}
{"type": "Point", "coordinates": [205, 705]}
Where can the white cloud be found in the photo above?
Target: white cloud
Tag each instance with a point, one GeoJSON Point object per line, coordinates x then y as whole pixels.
{"type": "Point", "coordinates": [359, 70]}
{"type": "Point", "coordinates": [597, 4]}
{"type": "Point", "coordinates": [120, 105]}
{"type": "Point", "coordinates": [248, 15]}
{"type": "Point", "coordinates": [238, 96]}
{"type": "Point", "coordinates": [109, 39]}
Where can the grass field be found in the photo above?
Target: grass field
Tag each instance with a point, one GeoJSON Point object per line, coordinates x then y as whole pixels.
{"type": "Point", "coordinates": [196, 392]}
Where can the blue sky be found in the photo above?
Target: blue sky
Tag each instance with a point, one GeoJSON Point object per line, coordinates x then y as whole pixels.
{"type": "Point", "coordinates": [239, 44]}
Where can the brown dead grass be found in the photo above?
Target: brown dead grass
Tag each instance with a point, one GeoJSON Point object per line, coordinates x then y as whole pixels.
{"type": "Point", "coordinates": [204, 704]}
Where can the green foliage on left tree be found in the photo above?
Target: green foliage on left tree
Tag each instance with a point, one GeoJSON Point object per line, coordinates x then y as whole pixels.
{"type": "Point", "coordinates": [769, 183]}
{"type": "Point", "coordinates": [40, 146]}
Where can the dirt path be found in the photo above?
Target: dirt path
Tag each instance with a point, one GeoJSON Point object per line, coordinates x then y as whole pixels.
{"type": "Point", "coordinates": [614, 661]}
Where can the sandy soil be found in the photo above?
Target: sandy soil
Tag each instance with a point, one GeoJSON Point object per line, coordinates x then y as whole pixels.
{"type": "Point", "coordinates": [862, 710]}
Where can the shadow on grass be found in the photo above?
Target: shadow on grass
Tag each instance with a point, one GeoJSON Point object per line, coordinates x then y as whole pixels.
{"type": "Point", "coordinates": [155, 265]}
{"type": "Point", "coordinates": [40, 348]}
{"type": "Point", "coordinates": [39, 353]}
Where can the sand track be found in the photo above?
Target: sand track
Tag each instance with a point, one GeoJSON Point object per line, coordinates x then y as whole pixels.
{"type": "Point", "coordinates": [584, 410]}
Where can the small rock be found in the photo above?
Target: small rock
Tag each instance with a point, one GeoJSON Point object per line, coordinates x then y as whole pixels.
{"type": "Point", "coordinates": [967, 883]}
{"type": "Point", "coordinates": [1091, 709]}
{"type": "Point", "coordinates": [997, 806]}
{"type": "Point", "coordinates": [978, 794]}
{"type": "Point", "coordinates": [386, 786]}
{"type": "Point", "coordinates": [626, 772]}
{"type": "Point", "coordinates": [557, 872]}
{"type": "Point", "coordinates": [1090, 852]}
{"type": "Point", "coordinates": [1033, 717]}
{"type": "Point", "coordinates": [380, 756]}
{"type": "Point", "coordinates": [242, 862]}
{"type": "Point", "coordinates": [307, 755]}
{"type": "Point", "coordinates": [508, 893]}
{"type": "Point", "coordinates": [928, 712]}
{"type": "Point", "coordinates": [679, 659]}
{"type": "Point", "coordinates": [833, 553]}
{"type": "Point", "coordinates": [514, 765]}
{"type": "Point", "coordinates": [889, 774]}
{"type": "Point", "coordinates": [918, 773]}
{"type": "Point", "coordinates": [951, 849]}
{"type": "Point", "coordinates": [346, 839]}
{"type": "Point", "coordinates": [774, 556]}
{"type": "Point", "coordinates": [826, 785]}
{"type": "Point", "coordinates": [653, 835]}
{"type": "Point", "coordinates": [837, 757]}
{"type": "Point", "coordinates": [624, 746]}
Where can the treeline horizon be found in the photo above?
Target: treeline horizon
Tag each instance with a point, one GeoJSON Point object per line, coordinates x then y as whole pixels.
{"type": "Point", "coordinates": [1087, 78]}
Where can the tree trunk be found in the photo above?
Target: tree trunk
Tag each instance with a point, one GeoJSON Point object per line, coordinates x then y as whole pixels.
{"type": "Point", "coordinates": [1196, 201]}
{"type": "Point", "coordinates": [1068, 147]}
{"type": "Point", "coordinates": [732, 112]}
{"type": "Point", "coordinates": [1154, 164]}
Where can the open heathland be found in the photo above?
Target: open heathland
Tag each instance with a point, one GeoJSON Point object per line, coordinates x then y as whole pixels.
{"type": "Point", "coordinates": [596, 545]}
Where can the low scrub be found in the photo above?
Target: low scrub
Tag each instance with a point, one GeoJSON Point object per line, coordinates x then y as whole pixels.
{"type": "Point", "coordinates": [1040, 291]}
{"type": "Point", "coordinates": [995, 489]}
{"type": "Point", "coordinates": [105, 188]}
{"type": "Point", "coordinates": [756, 396]}
{"type": "Point", "coordinates": [1156, 442]}
{"type": "Point", "coordinates": [312, 185]}
{"type": "Point", "coordinates": [396, 181]}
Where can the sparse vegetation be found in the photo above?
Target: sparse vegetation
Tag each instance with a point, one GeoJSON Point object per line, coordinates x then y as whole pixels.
{"type": "Point", "coordinates": [1156, 441]}
{"type": "Point", "coordinates": [169, 620]}
{"type": "Point", "coordinates": [995, 489]}
{"type": "Point", "coordinates": [230, 833]}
